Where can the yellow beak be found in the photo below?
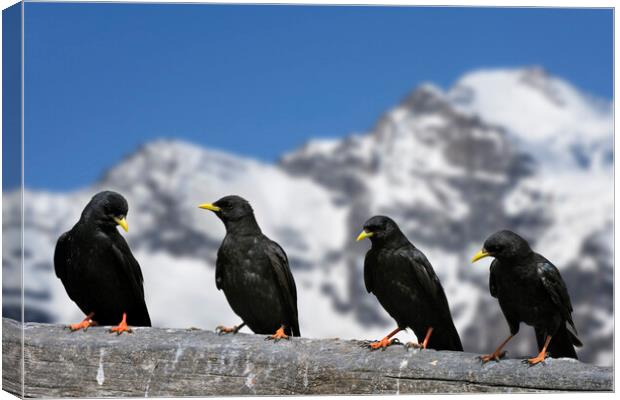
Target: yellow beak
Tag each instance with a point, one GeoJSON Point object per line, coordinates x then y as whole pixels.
{"type": "Point", "coordinates": [123, 223]}
{"type": "Point", "coordinates": [209, 206]}
{"type": "Point", "coordinates": [363, 235]}
{"type": "Point", "coordinates": [479, 255]}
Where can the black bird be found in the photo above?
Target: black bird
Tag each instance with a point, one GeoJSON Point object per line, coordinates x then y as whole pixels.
{"type": "Point", "coordinates": [253, 272]}
{"type": "Point", "coordinates": [406, 286]}
{"type": "Point", "coordinates": [96, 266]}
{"type": "Point", "coordinates": [529, 289]}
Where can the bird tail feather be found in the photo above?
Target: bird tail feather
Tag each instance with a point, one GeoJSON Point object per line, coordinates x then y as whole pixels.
{"type": "Point", "coordinates": [292, 329]}
{"type": "Point", "coordinates": [139, 316]}
{"type": "Point", "coordinates": [562, 343]}
{"type": "Point", "coordinates": [572, 331]}
{"type": "Point", "coordinates": [295, 329]}
{"type": "Point", "coordinates": [447, 340]}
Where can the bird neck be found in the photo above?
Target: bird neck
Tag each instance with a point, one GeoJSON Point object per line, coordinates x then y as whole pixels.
{"type": "Point", "coordinates": [244, 226]}
{"type": "Point", "coordinates": [93, 219]}
{"type": "Point", "coordinates": [526, 255]}
{"type": "Point", "coordinates": [393, 241]}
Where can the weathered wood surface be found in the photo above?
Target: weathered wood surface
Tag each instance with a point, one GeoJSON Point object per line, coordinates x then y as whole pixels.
{"type": "Point", "coordinates": [178, 362]}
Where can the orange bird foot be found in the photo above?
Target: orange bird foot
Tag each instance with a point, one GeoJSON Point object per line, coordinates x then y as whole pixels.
{"type": "Point", "coordinates": [84, 324]}
{"type": "Point", "coordinates": [278, 335]}
{"type": "Point", "coordinates": [382, 344]}
{"type": "Point", "coordinates": [536, 360]}
{"type": "Point", "coordinates": [122, 327]}
{"type": "Point", "coordinates": [222, 330]}
{"type": "Point", "coordinates": [496, 356]}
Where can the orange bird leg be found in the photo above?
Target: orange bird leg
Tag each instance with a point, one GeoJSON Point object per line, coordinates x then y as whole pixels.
{"type": "Point", "coordinates": [428, 336]}
{"type": "Point", "coordinates": [85, 324]}
{"type": "Point", "coordinates": [497, 354]}
{"type": "Point", "coordinates": [541, 356]}
{"type": "Point", "coordinates": [122, 327]}
{"type": "Point", "coordinates": [385, 342]}
{"type": "Point", "coordinates": [278, 335]}
{"type": "Point", "coordinates": [424, 343]}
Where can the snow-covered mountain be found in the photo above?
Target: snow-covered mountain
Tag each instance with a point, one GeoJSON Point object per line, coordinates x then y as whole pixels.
{"type": "Point", "coordinates": [515, 149]}
{"type": "Point", "coordinates": [555, 121]}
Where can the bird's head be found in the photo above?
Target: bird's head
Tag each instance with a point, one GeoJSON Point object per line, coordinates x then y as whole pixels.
{"type": "Point", "coordinates": [503, 245]}
{"type": "Point", "coordinates": [231, 209]}
{"type": "Point", "coordinates": [378, 229]}
{"type": "Point", "coordinates": [107, 209]}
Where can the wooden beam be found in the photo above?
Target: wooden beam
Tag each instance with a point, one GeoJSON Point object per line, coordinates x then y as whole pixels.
{"type": "Point", "coordinates": [178, 362]}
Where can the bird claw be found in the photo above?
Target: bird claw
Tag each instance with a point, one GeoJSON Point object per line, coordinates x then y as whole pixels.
{"type": "Point", "coordinates": [276, 338]}
{"type": "Point", "coordinates": [382, 344]}
{"type": "Point", "coordinates": [535, 361]}
{"type": "Point", "coordinates": [122, 327]}
{"type": "Point", "coordinates": [492, 357]}
{"type": "Point", "coordinates": [278, 335]}
{"type": "Point", "coordinates": [83, 325]}
{"type": "Point", "coordinates": [531, 364]}
{"type": "Point", "coordinates": [119, 330]}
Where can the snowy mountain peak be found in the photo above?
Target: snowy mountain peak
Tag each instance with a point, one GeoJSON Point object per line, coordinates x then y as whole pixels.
{"type": "Point", "coordinates": [425, 92]}
{"type": "Point", "coordinates": [425, 98]}
{"type": "Point", "coordinates": [563, 126]}
{"type": "Point", "coordinates": [173, 154]}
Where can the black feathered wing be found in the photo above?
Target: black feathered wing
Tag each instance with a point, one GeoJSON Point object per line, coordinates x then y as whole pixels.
{"type": "Point", "coordinates": [129, 268]}
{"type": "Point", "coordinates": [492, 284]}
{"type": "Point", "coordinates": [507, 308]}
{"type": "Point", "coordinates": [425, 275]}
{"type": "Point", "coordinates": [556, 289]}
{"type": "Point", "coordinates": [60, 256]}
{"type": "Point", "coordinates": [369, 262]}
{"type": "Point", "coordinates": [286, 283]}
{"type": "Point", "coordinates": [219, 269]}
{"type": "Point", "coordinates": [429, 282]}
{"type": "Point", "coordinates": [62, 259]}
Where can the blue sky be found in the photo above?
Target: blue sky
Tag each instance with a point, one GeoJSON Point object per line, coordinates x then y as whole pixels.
{"type": "Point", "coordinates": [11, 95]}
{"type": "Point", "coordinates": [100, 79]}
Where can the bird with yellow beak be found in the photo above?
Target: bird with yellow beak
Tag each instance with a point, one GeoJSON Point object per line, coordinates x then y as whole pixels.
{"type": "Point", "coordinates": [406, 285]}
{"type": "Point", "coordinates": [529, 289]}
{"type": "Point", "coordinates": [97, 268]}
{"type": "Point", "coordinates": [253, 272]}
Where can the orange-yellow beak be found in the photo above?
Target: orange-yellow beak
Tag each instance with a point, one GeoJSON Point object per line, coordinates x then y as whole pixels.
{"type": "Point", "coordinates": [480, 255]}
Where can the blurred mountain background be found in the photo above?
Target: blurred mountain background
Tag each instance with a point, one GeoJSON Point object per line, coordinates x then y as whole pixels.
{"type": "Point", "coordinates": [502, 148]}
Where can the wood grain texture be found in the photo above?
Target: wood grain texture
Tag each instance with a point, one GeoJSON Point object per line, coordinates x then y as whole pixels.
{"type": "Point", "coordinates": [178, 362]}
